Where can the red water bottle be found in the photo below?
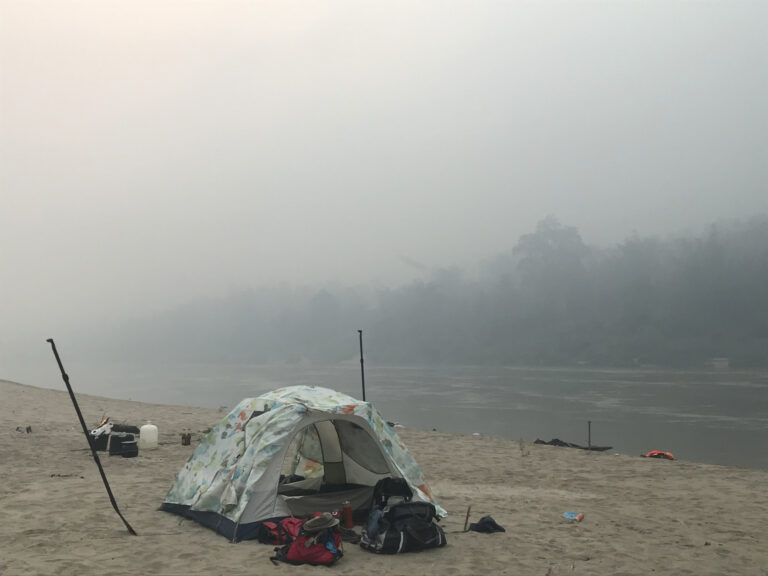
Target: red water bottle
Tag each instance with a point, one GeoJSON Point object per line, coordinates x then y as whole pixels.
{"type": "Point", "coordinates": [346, 515]}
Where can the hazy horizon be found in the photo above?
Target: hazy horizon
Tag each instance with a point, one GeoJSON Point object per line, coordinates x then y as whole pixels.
{"type": "Point", "coordinates": [155, 153]}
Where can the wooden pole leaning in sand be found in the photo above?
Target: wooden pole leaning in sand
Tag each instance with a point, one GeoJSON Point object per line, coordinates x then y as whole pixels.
{"type": "Point", "coordinates": [88, 437]}
{"type": "Point", "coordinates": [466, 520]}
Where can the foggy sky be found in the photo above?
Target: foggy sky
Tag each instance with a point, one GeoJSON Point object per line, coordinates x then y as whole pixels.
{"type": "Point", "coordinates": [154, 152]}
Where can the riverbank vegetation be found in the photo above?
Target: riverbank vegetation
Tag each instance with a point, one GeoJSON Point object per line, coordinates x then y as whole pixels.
{"type": "Point", "coordinates": [549, 300]}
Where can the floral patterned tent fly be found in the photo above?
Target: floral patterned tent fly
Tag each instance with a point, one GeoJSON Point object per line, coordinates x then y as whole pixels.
{"type": "Point", "coordinates": [291, 452]}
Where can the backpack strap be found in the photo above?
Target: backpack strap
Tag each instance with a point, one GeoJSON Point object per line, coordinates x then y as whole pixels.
{"type": "Point", "coordinates": [280, 555]}
{"type": "Point", "coordinates": [283, 536]}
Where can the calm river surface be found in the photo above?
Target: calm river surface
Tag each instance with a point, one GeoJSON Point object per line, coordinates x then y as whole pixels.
{"type": "Point", "coordinates": [719, 417]}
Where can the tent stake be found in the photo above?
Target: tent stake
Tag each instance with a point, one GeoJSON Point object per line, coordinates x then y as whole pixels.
{"type": "Point", "coordinates": [466, 520]}
{"type": "Point", "coordinates": [88, 437]}
{"type": "Point", "coordinates": [362, 370]}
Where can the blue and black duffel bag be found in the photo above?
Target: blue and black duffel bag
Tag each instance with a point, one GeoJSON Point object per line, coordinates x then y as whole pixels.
{"type": "Point", "coordinates": [403, 527]}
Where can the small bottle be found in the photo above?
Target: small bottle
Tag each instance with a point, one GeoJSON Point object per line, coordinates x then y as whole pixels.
{"type": "Point", "coordinates": [346, 514]}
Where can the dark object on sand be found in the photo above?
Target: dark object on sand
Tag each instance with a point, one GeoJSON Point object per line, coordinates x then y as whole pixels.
{"type": "Point", "coordinates": [116, 442]}
{"type": "Point", "coordinates": [349, 535]}
{"type": "Point", "coordinates": [487, 525]}
{"type": "Point", "coordinates": [129, 449]}
{"type": "Point", "coordinates": [108, 436]}
{"type": "Point", "coordinates": [126, 428]}
{"type": "Point", "coordinates": [100, 442]}
{"type": "Point", "coordinates": [558, 442]}
{"type": "Point", "coordinates": [65, 377]}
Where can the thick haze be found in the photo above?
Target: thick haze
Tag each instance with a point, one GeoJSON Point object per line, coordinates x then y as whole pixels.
{"type": "Point", "coordinates": [156, 152]}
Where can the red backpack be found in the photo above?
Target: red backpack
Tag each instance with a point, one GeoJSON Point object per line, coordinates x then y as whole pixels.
{"type": "Point", "coordinates": [283, 531]}
{"type": "Point", "coordinates": [317, 546]}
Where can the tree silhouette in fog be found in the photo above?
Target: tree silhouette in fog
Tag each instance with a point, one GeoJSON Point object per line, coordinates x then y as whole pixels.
{"type": "Point", "coordinates": [549, 299]}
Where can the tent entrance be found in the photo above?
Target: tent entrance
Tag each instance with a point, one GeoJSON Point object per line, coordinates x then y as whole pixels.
{"type": "Point", "coordinates": [302, 471]}
{"type": "Point", "coordinates": [331, 461]}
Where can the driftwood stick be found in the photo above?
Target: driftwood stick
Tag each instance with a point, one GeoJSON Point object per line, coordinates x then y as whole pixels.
{"type": "Point", "coordinates": [466, 520]}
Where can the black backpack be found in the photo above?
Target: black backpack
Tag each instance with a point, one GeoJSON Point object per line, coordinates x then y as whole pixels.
{"type": "Point", "coordinates": [403, 527]}
{"type": "Point", "coordinates": [387, 488]}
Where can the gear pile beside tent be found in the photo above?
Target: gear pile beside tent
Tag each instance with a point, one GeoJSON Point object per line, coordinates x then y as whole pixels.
{"type": "Point", "coordinates": [291, 452]}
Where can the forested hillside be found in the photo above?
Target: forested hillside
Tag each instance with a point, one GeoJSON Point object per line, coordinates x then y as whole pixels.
{"type": "Point", "coordinates": [548, 300]}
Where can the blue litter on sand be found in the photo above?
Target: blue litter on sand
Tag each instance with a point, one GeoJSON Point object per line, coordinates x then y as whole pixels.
{"type": "Point", "coordinates": [573, 515]}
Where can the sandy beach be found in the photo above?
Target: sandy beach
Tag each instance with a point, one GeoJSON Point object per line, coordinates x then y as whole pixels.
{"type": "Point", "coordinates": [642, 515]}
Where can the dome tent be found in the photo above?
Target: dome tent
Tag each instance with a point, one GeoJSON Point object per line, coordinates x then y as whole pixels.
{"type": "Point", "coordinates": [291, 452]}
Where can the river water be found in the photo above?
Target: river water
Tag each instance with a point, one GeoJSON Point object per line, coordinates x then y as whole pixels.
{"type": "Point", "coordinates": [719, 417]}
